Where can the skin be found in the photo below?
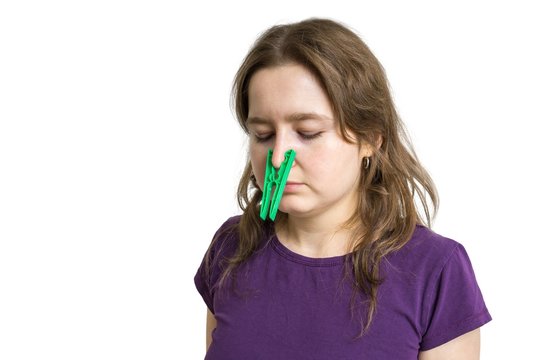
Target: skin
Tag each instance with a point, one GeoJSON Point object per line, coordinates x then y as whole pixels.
{"type": "Point", "coordinates": [464, 347]}
{"type": "Point", "coordinates": [211, 324]}
{"type": "Point", "coordinates": [288, 109]}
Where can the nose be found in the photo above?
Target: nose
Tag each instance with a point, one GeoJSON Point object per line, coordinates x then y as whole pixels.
{"type": "Point", "coordinates": [280, 148]}
{"type": "Point", "coordinates": [277, 158]}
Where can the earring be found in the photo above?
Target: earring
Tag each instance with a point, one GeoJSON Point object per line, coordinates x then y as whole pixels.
{"type": "Point", "coordinates": [367, 162]}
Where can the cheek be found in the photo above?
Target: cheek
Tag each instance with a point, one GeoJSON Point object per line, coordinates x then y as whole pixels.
{"type": "Point", "coordinates": [342, 162]}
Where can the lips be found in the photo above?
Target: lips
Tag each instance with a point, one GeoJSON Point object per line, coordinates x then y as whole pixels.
{"type": "Point", "coordinates": [293, 186]}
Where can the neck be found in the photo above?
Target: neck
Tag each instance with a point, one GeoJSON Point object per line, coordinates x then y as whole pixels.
{"type": "Point", "coordinates": [315, 237]}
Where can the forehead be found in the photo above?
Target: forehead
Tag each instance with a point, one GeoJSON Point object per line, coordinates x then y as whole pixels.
{"type": "Point", "coordinates": [288, 92]}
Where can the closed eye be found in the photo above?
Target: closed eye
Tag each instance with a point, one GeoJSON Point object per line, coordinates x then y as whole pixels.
{"type": "Point", "coordinates": [260, 138]}
{"type": "Point", "coordinates": [309, 136]}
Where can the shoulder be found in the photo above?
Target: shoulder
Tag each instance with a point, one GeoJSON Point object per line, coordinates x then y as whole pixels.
{"type": "Point", "coordinates": [228, 228]}
{"type": "Point", "coordinates": [435, 276]}
{"type": "Point", "coordinates": [426, 257]}
{"type": "Point", "coordinates": [427, 239]}
{"type": "Point", "coordinates": [452, 303]}
{"type": "Point", "coordinates": [427, 248]}
{"type": "Point", "coordinates": [222, 246]}
{"type": "Point", "coordinates": [225, 238]}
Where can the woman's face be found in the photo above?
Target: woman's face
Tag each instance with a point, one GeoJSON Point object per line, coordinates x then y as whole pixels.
{"type": "Point", "coordinates": [288, 109]}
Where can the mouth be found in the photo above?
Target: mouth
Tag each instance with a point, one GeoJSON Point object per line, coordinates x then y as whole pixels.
{"type": "Point", "coordinates": [292, 186]}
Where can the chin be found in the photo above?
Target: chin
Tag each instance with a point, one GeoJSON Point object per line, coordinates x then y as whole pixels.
{"type": "Point", "coordinates": [296, 212]}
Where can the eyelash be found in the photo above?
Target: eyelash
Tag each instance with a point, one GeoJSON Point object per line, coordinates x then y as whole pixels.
{"type": "Point", "coordinates": [304, 136]}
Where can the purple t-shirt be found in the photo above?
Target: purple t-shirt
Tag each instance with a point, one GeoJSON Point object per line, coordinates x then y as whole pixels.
{"type": "Point", "coordinates": [288, 306]}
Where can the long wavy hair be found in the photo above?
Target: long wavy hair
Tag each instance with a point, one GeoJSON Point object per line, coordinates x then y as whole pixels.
{"type": "Point", "coordinates": [395, 191]}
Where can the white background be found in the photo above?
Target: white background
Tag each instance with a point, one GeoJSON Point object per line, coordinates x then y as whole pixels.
{"type": "Point", "coordinates": [119, 158]}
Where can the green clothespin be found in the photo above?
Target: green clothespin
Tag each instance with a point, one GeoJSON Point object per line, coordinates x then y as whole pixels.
{"type": "Point", "coordinates": [270, 200]}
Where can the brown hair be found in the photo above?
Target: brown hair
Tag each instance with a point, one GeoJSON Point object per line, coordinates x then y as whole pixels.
{"type": "Point", "coordinates": [356, 85]}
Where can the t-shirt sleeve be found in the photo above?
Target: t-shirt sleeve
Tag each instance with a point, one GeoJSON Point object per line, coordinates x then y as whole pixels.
{"type": "Point", "coordinates": [456, 305]}
{"type": "Point", "coordinates": [203, 286]}
{"type": "Point", "coordinates": [211, 266]}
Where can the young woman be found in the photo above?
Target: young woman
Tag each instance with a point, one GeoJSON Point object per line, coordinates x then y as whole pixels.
{"type": "Point", "coordinates": [349, 269]}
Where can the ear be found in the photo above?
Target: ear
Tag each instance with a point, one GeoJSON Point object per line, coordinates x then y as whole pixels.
{"type": "Point", "coordinates": [378, 140]}
{"type": "Point", "coordinates": [368, 148]}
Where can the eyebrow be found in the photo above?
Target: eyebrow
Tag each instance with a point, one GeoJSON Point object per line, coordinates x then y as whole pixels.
{"type": "Point", "coordinates": [291, 118]}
